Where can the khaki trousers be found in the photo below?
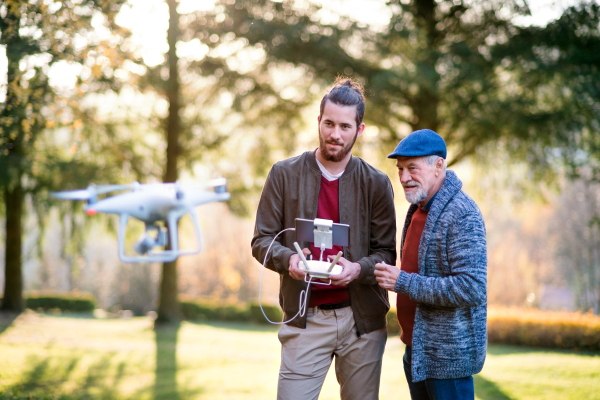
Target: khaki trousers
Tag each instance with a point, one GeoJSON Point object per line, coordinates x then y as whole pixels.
{"type": "Point", "coordinates": [306, 356]}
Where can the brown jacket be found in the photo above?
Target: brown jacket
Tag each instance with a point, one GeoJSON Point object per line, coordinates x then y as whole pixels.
{"type": "Point", "coordinates": [366, 204]}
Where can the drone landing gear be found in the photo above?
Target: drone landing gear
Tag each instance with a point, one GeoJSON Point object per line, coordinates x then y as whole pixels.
{"type": "Point", "coordinates": [153, 236]}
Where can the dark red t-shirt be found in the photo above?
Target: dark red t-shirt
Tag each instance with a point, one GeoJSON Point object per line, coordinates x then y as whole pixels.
{"type": "Point", "coordinates": [405, 307]}
{"type": "Point", "coordinates": [328, 208]}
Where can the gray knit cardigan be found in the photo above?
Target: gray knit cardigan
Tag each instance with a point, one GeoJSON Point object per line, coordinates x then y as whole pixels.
{"type": "Point", "coordinates": [450, 331]}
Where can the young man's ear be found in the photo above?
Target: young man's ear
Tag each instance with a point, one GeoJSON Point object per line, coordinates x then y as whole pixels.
{"type": "Point", "coordinates": [360, 129]}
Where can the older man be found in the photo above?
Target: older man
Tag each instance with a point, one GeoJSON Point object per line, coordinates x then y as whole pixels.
{"type": "Point", "coordinates": [441, 286]}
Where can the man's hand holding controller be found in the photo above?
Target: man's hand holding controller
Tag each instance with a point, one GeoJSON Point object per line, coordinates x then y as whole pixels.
{"type": "Point", "coordinates": [349, 272]}
{"type": "Point", "coordinates": [294, 271]}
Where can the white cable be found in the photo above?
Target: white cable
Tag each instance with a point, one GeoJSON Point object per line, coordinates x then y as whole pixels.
{"type": "Point", "coordinates": [303, 293]}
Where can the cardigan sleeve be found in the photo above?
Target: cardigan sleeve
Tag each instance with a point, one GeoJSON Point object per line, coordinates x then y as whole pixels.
{"type": "Point", "coordinates": [466, 284]}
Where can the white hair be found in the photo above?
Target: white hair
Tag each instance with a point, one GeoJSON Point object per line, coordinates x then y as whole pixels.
{"type": "Point", "coordinates": [432, 159]}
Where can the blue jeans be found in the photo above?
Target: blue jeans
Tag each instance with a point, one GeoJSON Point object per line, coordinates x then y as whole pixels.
{"type": "Point", "coordinates": [437, 389]}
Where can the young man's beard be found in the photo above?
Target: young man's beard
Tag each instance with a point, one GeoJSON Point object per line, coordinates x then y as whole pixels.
{"type": "Point", "coordinates": [339, 155]}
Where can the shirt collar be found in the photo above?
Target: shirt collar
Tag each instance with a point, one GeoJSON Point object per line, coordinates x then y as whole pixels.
{"type": "Point", "coordinates": [427, 206]}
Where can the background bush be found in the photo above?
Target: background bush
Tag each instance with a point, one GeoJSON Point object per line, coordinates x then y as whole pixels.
{"type": "Point", "coordinates": [74, 302]}
{"type": "Point", "coordinates": [535, 328]}
{"type": "Point", "coordinates": [551, 329]}
{"type": "Point", "coordinates": [212, 311]}
{"type": "Point", "coordinates": [514, 326]}
{"type": "Point", "coordinates": [393, 327]}
{"type": "Point", "coordinates": [272, 311]}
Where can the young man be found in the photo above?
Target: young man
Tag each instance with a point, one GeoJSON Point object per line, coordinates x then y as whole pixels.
{"type": "Point", "coordinates": [344, 320]}
{"type": "Point", "coordinates": [442, 301]}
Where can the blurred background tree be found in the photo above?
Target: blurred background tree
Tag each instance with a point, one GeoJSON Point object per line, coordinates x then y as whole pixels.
{"type": "Point", "coordinates": [47, 139]}
{"type": "Point", "coordinates": [462, 68]}
{"type": "Point", "coordinates": [217, 88]}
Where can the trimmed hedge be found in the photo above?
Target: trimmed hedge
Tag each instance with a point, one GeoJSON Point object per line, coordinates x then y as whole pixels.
{"type": "Point", "coordinates": [273, 312]}
{"type": "Point", "coordinates": [550, 329]}
{"type": "Point", "coordinates": [535, 328]}
{"type": "Point", "coordinates": [212, 311]}
{"type": "Point", "coordinates": [63, 302]}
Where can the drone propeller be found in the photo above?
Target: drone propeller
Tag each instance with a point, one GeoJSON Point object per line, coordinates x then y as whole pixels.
{"type": "Point", "coordinates": [90, 193]}
{"type": "Point", "coordinates": [219, 185]}
{"type": "Point", "coordinates": [215, 182]}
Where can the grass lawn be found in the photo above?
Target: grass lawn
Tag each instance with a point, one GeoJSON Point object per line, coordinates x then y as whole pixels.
{"type": "Point", "coordinates": [50, 357]}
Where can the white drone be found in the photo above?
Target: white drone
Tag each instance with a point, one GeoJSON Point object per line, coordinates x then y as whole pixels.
{"type": "Point", "coordinates": [151, 203]}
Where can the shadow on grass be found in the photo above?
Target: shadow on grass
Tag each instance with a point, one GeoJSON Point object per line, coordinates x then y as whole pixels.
{"type": "Point", "coordinates": [488, 390]}
{"type": "Point", "coordinates": [165, 383]}
{"type": "Point", "coordinates": [54, 378]}
{"type": "Point", "coordinates": [505, 350]}
{"type": "Point", "coordinates": [75, 377]}
{"type": "Point", "coordinates": [6, 319]}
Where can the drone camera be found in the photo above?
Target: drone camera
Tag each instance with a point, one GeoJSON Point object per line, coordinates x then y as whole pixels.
{"type": "Point", "coordinates": [147, 242]}
{"type": "Point", "coordinates": [221, 189]}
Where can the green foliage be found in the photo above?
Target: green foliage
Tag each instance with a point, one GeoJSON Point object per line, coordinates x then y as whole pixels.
{"type": "Point", "coordinates": [461, 68]}
{"type": "Point", "coordinates": [33, 107]}
{"type": "Point", "coordinates": [272, 311]}
{"type": "Point", "coordinates": [74, 303]}
{"type": "Point", "coordinates": [212, 311]}
{"type": "Point", "coordinates": [61, 303]}
{"type": "Point", "coordinates": [551, 101]}
{"type": "Point", "coordinates": [393, 327]}
{"type": "Point", "coordinates": [44, 143]}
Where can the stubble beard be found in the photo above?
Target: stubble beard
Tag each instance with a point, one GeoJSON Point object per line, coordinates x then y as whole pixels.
{"type": "Point", "coordinates": [415, 197]}
{"type": "Point", "coordinates": [338, 155]}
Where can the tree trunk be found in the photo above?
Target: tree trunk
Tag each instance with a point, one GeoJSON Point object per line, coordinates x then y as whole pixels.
{"type": "Point", "coordinates": [13, 276]}
{"type": "Point", "coordinates": [425, 103]}
{"type": "Point", "coordinates": [168, 308]}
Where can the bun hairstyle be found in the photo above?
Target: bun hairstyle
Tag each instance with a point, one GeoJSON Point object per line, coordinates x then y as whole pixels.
{"type": "Point", "coordinates": [346, 92]}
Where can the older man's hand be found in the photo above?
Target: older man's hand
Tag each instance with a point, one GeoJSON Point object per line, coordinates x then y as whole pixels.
{"type": "Point", "coordinates": [386, 275]}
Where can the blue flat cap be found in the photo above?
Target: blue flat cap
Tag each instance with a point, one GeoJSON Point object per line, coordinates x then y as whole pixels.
{"type": "Point", "coordinates": [424, 142]}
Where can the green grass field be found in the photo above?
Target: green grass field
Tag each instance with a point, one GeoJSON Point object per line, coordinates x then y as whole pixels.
{"type": "Point", "coordinates": [50, 357]}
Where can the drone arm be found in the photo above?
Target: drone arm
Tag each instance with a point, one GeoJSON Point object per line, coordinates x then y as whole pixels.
{"type": "Point", "coordinates": [123, 219]}
{"type": "Point", "coordinates": [197, 228]}
{"type": "Point", "coordinates": [173, 232]}
{"type": "Point", "coordinates": [172, 220]}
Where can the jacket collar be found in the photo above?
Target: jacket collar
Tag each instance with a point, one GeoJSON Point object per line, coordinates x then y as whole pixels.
{"type": "Point", "coordinates": [312, 162]}
{"type": "Point", "coordinates": [452, 185]}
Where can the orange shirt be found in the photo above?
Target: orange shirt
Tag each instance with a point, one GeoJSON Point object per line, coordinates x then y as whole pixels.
{"type": "Point", "coordinates": [405, 307]}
